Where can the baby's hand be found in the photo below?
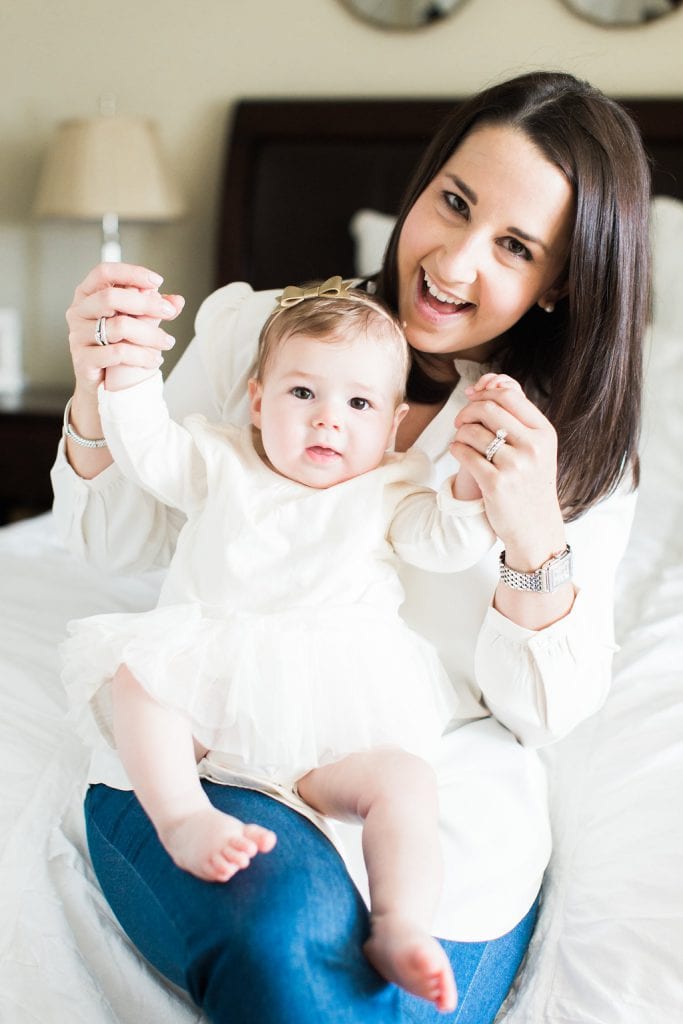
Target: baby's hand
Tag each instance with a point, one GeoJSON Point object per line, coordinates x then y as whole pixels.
{"type": "Point", "coordinates": [493, 380]}
{"type": "Point", "coordinates": [465, 487]}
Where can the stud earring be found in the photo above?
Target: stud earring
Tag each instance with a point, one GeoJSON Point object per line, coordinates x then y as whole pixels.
{"type": "Point", "coordinates": [549, 307]}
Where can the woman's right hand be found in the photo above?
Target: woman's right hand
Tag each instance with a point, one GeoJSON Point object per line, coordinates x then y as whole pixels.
{"type": "Point", "coordinates": [129, 297]}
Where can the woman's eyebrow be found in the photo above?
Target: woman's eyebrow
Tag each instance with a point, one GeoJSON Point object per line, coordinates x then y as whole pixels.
{"type": "Point", "coordinates": [465, 189]}
{"type": "Point", "coordinates": [528, 238]}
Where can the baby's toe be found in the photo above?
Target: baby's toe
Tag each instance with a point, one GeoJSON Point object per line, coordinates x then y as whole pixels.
{"type": "Point", "coordinates": [245, 845]}
{"type": "Point", "coordinates": [265, 839]}
{"type": "Point", "coordinates": [446, 994]}
{"type": "Point", "coordinates": [235, 856]}
{"type": "Point", "coordinates": [220, 869]}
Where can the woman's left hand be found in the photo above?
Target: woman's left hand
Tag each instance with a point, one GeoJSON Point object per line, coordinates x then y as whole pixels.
{"type": "Point", "coordinates": [519, 483]}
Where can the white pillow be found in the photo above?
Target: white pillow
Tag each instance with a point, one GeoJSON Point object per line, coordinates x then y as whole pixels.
{"type": "Point", "coordinates": [371, 230]}
{"type": "Point", "coordinates": [667, 252]}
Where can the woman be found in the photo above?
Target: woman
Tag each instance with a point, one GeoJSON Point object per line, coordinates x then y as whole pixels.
{"type": "Point", "coordinates": [517, 247]}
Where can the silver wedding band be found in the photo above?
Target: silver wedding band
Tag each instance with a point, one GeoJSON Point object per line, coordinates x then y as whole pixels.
{"type": "Point", "coordinates": [101, 331]}
{"type": "Point", "coordinates": [498, 442]}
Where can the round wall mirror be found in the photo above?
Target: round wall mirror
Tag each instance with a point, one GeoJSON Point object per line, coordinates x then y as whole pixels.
{"type": "Point", "coordinates": [404, 14]}
{"type": "Point", "coordinates": [622, 12]}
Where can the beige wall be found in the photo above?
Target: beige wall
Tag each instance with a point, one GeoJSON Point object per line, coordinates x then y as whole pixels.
{"type": "Point", "coordinates": [185, 63]}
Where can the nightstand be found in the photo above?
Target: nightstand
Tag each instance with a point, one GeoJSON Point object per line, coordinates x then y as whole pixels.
{"type": "Point", "coordinates": [30, 428]}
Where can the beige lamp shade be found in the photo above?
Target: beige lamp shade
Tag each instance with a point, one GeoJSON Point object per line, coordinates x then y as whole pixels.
{"type": "Point", "coordinates": [107, 165]}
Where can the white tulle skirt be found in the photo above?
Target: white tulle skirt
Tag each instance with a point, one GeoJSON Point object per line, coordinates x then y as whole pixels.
{"type": "Point", "coordinates": [285, 692]}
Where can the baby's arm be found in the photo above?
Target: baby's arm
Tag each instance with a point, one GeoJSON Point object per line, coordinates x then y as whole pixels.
{"type": "Point", "coordinates": [118, 378]}
{"type": "Point", "coordinates": [149, 447]}
{"type": "Point", "coordinates": [439, 532]}
{"type": "Point", "coordinates": [442, 535]}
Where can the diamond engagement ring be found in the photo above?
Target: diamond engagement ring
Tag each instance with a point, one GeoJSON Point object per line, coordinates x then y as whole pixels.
{"type": "Point", "coordinates": [498, 442]}
{"type": "Point", "coordinates": [101, 331]}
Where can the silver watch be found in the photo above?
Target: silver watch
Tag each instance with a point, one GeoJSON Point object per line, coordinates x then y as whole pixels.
{"type": "Point", "coordinates": [552, 574]}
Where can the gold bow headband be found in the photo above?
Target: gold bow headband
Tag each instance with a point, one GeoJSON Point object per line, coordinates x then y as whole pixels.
{"type": "Point", "coordinates": [333, 288]}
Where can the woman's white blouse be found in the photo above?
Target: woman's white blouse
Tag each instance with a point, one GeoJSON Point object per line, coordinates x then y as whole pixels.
{"type": "Point", "coordinates": [518, 688]}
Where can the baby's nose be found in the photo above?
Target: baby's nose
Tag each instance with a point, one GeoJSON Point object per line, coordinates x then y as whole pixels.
{"type": "Point", "coordinates": [327, 417]}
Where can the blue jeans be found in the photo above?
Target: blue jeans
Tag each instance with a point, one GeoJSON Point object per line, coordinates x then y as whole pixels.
{"type": "Point", "coordinates": [282, 940]}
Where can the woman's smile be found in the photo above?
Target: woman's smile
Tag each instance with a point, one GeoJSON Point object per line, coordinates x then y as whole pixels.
{"type": "Point", "coordinates": [438, 302]}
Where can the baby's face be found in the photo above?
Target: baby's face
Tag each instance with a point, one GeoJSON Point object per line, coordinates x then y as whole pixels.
{"type": "Point", "coordinates": [326, 410]}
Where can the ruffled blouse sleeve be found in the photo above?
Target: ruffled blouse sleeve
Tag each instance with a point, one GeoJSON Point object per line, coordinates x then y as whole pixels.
{"type": "Point", "coordinates": [540, 684]}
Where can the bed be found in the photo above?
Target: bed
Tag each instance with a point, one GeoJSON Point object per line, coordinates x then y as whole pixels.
{"type": "Point", "coordinates": [309, 190]}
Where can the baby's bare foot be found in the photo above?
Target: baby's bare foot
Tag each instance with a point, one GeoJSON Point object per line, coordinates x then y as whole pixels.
{"type": "Point", "coordinates": [411, 958]}
{"type": "Point", "coordinates": [213, 845]}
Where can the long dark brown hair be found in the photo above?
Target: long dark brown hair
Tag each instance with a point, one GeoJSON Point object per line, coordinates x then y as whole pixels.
{"type": "Point", "coordinates": [585, 359]}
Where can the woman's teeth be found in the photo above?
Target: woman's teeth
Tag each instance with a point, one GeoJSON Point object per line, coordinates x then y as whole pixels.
{"type": "Point", "coordinates": [441, 296]}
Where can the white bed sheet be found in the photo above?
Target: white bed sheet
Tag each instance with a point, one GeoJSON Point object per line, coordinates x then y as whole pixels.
{"type": "Point", "coordinates": [63, 957]}
{"type": "Point", "coordinates": [608, 946]}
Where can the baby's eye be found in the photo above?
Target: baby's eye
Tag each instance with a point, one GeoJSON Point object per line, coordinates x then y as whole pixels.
{"type": "Point", "coordinates": [517, 248]}
{"type": "Point", "coordinates": [359, 403]}
{"type": "Point", "coordinates": [305, 394]}
{"type": "Point", "coordinates": [456, 203]}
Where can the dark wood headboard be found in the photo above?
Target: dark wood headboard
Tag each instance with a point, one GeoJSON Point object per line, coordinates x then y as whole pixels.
{"type": "Point", "coordinates": [297, 170]}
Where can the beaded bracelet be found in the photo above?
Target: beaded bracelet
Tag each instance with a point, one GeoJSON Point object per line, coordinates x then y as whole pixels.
{"type": "Point", "coordinates": [69, 431]}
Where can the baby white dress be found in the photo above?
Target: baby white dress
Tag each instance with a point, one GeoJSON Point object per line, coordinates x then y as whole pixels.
{"type": "Point", "coordinates": [277, 631]}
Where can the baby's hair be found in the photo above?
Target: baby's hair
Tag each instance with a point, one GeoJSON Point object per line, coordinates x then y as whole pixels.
{"type": "Point", "coordinates": [333, 319]}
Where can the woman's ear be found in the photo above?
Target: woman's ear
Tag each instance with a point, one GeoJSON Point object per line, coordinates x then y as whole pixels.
{"type": "Point", "coordinates": [549, 299]}
{"type": "Point", "coordinates": [255, 392]}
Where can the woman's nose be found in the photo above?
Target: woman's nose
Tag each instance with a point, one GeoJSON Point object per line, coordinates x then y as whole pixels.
{"type": "Point", "coordinates": [459, 260]}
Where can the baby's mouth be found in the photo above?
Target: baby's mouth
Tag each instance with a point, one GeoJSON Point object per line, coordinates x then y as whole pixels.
{"type": "Point", "coordinates": [319, 453]}
{"type": "Point", "coordinates": [441, 301]}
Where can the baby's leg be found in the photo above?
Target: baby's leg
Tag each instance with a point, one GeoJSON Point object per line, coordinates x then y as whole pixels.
{"type": "Point", "coordinates": [394, 794]}
{"type": "Point", "coordinates": [159, 755]}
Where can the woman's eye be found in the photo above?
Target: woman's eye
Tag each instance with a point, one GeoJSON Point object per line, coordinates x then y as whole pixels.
{"type": "Point", "coordinates": [456, 203]}
{"type": "Point", "coordinates": [359, 403]}
{"type": "Point", "coordinates": [517, 248]}
{"type": "Point", "coordinates": [303, 393]}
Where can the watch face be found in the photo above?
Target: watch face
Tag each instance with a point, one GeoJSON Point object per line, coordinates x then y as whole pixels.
{"type": "Point", "coordinates": [559, 572]}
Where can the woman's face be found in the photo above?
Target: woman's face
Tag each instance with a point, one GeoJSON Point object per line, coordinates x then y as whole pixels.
{"type": "Point", "coordinates": [487, 239]}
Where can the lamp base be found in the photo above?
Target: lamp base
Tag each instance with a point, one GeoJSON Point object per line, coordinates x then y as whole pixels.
{"type": "Point", "coordinates": [111, 243]}
{"type": "Point", "coordinates": [110, 252]}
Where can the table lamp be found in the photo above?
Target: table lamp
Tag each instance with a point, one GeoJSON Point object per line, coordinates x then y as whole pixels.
{"type": "Point", "coordinates": [107, 168]}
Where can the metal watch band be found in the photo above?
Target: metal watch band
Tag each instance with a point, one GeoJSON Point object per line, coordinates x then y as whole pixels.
{"type": "Point", "coordinates": [551, 575]}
